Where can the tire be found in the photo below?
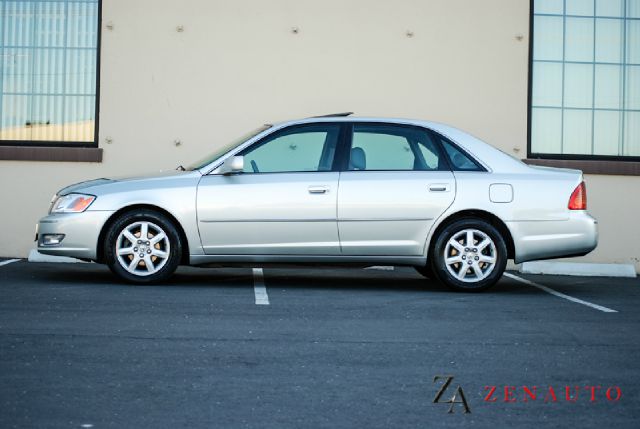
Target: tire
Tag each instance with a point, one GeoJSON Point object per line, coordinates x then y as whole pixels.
{"type": "Point", "coordinates": [461, 263]}
{"type": "Point", "coordinates": [124, 245]}
{"type": "Point", "coordinates": [426, 270]}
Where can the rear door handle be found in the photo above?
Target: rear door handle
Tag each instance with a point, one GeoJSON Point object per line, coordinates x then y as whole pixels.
{"type": "Point", "coordinates": [318, 189]}
{"type": "Point", "coordinates": [439, 187]}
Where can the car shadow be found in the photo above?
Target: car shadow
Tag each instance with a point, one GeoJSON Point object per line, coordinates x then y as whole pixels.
{"type": "Point", "coordinates": [404, 279]}
{"type": "Point", "coordinates": [400, 278]}
{"type": "Point", "coordinates": [100, 275]}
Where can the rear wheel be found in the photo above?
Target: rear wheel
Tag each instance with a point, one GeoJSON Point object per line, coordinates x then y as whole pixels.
{"type": "Point", "coordinates": [469, 255]}
{"type": "Point", "coordinates": [142, 247]}
{"type": "Point", "coordinates": [426, 270]}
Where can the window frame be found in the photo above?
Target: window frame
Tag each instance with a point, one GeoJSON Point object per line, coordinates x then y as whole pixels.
{"type": "Point", "coordinates": [62, 150]}
{"type": "Point", "coordinates": [587, 163]}
{"type": "Point", "coordinates": [290, 130]}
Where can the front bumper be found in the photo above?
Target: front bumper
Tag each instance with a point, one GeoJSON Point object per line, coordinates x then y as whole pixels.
{"type": "Point", "coordinates": [534, 240]}
{"type": "Point", "coordinates": [81, 232]}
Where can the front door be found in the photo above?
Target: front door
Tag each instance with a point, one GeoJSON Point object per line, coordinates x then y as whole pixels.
{"type": "Point", "coordinates": [283, 203]}
{"type": "Point", "coordinates": [396, 185]}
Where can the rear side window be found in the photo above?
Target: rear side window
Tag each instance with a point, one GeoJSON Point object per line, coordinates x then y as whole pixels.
{"type": "Point", "coordinates": [460, 161]}
{"type": "Point", "coordinates": [382, 147]}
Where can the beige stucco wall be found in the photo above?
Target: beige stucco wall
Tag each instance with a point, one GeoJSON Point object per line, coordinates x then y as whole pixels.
{"type": "Point", "coordinates": [238, 64]}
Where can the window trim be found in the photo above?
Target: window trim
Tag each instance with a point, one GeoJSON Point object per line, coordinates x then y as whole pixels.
{"type": "Point", "coordinates": [60, 154]}
{"type": "Point", "coordinates": [592, 166]}
{"type": "Point", "coordinates": [549, 159]}
{"type": "Point", "coordinates": [46, 150]}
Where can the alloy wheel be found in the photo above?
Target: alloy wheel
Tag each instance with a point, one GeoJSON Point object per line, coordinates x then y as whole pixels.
{"type": "Point", "coordinates": [142, 248]}
{"type": "Point", "coordinates": [470, 255]}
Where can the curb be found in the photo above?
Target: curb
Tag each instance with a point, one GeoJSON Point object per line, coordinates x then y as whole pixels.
{"type": "Point", "coordinates": [578, 269]}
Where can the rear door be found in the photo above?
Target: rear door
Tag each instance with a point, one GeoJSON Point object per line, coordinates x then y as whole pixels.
{"type": "Point", "coordinates": [396, 184]}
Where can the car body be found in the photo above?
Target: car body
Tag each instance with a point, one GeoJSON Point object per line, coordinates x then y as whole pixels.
{"type": "Point", "coordinates": [331, 190]}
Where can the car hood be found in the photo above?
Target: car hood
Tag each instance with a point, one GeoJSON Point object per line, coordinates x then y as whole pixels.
{"type": "Point", "coordinates": [86, 185]}
{"type": "Point", "coordinates": [83, 185]}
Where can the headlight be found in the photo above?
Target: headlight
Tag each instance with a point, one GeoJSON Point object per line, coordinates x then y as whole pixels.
{"type": "Point", "coordinates": [72, 203]}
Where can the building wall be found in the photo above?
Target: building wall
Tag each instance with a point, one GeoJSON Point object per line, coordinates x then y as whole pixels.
{"type": "Point", "coordinates": [236, 65]}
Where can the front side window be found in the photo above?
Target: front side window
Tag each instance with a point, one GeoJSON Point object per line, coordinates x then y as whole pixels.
{"type": "Point", "coordinates": [585, 78]}
{"type": "Point", "coordinates": [300, 149]}
{"type": "Point", "coordinates": [48, 72]}
{"type": "Point", "coordinates": [393, 148]}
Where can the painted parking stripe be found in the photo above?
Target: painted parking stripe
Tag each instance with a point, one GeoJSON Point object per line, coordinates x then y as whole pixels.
{"type": "Point", "coordinates": [259, 288]}
{"type": "Point", "coordinates": [561, 295]}
{"type": "Point", "coordinates": [8, 261]}
{"type": "Point", "coordinates": [380, 268]}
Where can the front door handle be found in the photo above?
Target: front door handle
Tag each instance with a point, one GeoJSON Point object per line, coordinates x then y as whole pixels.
{"type": "Point", "coordinates": [318, 189]}
{"type": "Point", "coordinates": [439, 187]}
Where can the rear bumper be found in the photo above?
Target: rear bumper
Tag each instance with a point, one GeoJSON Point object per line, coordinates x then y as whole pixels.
{"type": "Point", "coordinates": [535, 240]}
{"type": "Point", "coordinates": [81, 232]}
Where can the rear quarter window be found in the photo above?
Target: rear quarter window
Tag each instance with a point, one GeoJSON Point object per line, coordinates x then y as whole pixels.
{"type": "Point", "coordinates": [459, 160]}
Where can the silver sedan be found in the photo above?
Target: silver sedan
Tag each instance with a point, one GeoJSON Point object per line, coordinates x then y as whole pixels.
{"type": "Point", "coordinates": [333, 190]}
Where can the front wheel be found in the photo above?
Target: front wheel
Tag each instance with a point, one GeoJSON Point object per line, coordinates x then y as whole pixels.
{"type": "Point", "coordinates": [142, 247]}
{"type": "Point", "coordinates": [469, 255]}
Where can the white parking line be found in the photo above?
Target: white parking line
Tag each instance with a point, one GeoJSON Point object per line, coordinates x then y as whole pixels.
{"type": "Point", "coordinates": [560, 295]}
{"type": "Point", "coordinates": [259, 288]}
{"type": "Point", "coordinates": [380, 267]}
{"type": "Point", "coordinates": [8, 261]}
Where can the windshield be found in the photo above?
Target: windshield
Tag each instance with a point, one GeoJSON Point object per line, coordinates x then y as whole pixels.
{"type": "Point", "coordinates": [226, 148]}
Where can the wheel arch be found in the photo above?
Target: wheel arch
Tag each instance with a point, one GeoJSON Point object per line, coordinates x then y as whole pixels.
{"type": "Point", "coordinates": [184, 258]}
{"type": "Point", "coordinates": [475, 214]}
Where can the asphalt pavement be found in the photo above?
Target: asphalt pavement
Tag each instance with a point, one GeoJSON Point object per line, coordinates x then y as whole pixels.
{"type": "Point", "coordinates": [307, 348]}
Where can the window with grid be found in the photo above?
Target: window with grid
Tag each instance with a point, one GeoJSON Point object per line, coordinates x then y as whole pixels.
{"type": "Point", "coordinates": [48, 72]}
{"type": "Point", "coordinates": [585, 88]}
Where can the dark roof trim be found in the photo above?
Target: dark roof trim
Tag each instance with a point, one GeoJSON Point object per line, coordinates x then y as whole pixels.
{"type": "Point", "coordinates": [334, 115]}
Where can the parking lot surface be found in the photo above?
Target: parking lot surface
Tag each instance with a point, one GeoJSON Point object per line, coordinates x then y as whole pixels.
{"type": "Point", "coordinates": [313, 348]}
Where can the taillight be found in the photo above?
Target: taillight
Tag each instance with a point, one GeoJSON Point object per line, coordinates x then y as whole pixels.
{"type": "Point", "coordinates": [578, 199]}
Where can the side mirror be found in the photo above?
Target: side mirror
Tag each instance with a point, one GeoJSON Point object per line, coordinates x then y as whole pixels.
{"type": "Point", "coordinates": [234, 164]}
